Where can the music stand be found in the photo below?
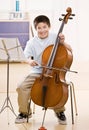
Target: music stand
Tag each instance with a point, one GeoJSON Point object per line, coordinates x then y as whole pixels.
{"type": "Point", "coordinates": [6, 45]}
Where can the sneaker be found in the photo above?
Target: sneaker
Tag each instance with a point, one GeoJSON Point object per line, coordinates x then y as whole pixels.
{"type": "Point", "coordinates": [22, 118]}
{"type": "Point", "coordinates": [61, 118]}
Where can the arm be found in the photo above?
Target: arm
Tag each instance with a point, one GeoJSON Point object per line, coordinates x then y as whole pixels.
{"type": "Point", "coordinates": [62, 39]}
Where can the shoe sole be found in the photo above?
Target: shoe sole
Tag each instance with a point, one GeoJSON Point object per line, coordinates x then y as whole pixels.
{"type": "Point", "coordinates": [62, 122]}
{"type": "Point", "coordinates": [19, 121]}
{"type": "Point", "coordinates": [24, 120]}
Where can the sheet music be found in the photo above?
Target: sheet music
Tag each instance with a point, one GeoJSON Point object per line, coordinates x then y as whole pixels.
{"type": "Point", "coordinates": [14, 49]}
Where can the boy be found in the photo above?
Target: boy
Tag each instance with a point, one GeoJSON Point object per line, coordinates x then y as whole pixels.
{"type": "Point", "coordinates": [33, 52]}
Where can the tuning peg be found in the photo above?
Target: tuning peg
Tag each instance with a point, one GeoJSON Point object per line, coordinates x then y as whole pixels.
{"type": "Point", "coordinates": [60, 19]}
{"type": "Point", "coordinates": [72, 14]}
{"type": "Point", "coordinates": [63, 15]}
{"type": "Point", "coordinates": [70, 18]}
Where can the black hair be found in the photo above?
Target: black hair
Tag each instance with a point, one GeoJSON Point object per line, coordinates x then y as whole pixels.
{"type": "Point", "coordinates": [41, 18]}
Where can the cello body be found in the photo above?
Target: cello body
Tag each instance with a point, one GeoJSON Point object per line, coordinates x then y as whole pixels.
{"type": "Point", "coordinates": [57, 91]}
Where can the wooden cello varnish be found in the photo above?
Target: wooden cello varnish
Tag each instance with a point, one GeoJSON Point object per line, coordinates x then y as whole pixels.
{"type": "Point", "coordinates": [50, 90]}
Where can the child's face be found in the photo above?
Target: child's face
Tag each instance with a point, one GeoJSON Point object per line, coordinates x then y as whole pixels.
{"type": "Point", "coordinates": [42, 30]}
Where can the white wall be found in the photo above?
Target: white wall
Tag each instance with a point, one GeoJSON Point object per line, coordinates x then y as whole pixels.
{"type": "Point", "coordinates": [76, 31]}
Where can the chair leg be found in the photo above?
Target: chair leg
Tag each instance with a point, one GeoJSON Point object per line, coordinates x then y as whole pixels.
{"type": "Point", "coordinates": [29, 105]}
{"type": "Point", "coordinates": [72, 94]}
{"type": "Point", "coordinates": [74, 98]}
{"type": "Point", "coordinates": [71, 98]}
{"type": "Point", "coordinates": [34, 108]}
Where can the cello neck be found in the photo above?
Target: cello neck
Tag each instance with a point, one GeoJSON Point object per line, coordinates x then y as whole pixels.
{"type": "Point", "coordinates": [57, 42]}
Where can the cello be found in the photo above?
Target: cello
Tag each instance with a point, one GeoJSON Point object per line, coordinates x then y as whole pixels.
{"type": "Point", "coordinates": [50, 90]}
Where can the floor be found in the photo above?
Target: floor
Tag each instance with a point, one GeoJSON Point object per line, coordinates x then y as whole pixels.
{"type": "Point", "coordinates": [7, 117]}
